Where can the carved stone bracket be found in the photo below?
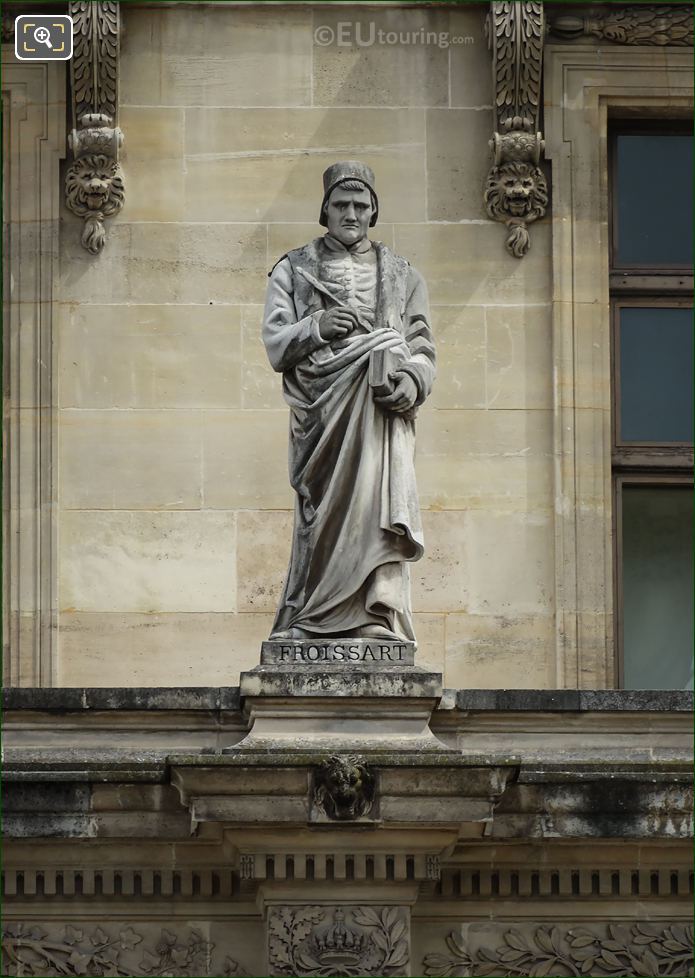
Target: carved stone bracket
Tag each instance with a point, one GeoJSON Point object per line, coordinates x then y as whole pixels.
{"type": "Point", "coordinates": [94, 187]}
{"type": "Point", "coordinates": [653, 25]}
{"type": "Point", "coordinates": [516, 193]}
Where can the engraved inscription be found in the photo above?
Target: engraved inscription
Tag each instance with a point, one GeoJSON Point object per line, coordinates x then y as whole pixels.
{"type": "Point", "coordinates": [337, 652]}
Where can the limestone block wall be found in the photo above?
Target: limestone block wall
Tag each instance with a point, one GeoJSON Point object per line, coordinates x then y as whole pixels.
{"type": "Point", "coordinates": [173, 506]}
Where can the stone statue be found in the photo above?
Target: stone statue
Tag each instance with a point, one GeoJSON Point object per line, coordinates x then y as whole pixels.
{"type": "Point", "coordinates": [347, 323]}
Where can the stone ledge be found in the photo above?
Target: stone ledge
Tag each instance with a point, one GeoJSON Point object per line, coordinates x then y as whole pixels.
{"type": "Point", "coordinates": [211, 698]}
{"type": "Point", "coordinates": [62, 699]}
{"type": "Point", "coordinates": [575, 700]}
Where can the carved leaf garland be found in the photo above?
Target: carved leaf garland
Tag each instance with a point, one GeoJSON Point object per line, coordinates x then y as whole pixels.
{"type": "Point", "coordinates": [29, 950]}
{"type": "Point", "coordinates": [107, 62]}
{"type": "Point", "coordinates": [81, 64]}
{"type": "Point", "coordinates": [94, 63]}
{"type": "Point", "coordinates": [653, 25]}
{"type": "Point", "coordinates": [648, 950]}
{"type": "Point", "coordinates": [287, 931]}
{"type": "Point", "coordinates": [516, 34]}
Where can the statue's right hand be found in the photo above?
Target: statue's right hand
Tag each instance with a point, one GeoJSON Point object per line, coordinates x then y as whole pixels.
{"type": "Point", "coordinates": [337, 322]}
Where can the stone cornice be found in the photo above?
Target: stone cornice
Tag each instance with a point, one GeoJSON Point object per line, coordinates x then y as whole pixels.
{"type": "Point", "coordinates": [209, 698]}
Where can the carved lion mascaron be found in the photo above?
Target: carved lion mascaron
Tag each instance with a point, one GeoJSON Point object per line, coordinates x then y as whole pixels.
{"type": "Point", "coordinates": [94, 183]}
{"type": "Point", "coordinates": [344, 787]}
{"type": "Point", "coordinates": [516, 194]}
{"type": "Point", "coordinates": [94, 190]}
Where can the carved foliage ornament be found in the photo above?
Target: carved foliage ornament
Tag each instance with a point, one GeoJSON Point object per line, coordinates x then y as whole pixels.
{"type": "Point", "coordinates": [29, 950]}
{"type": "Point", "coordinates": [345, 941]}
{"type": "Point", "coordinates": [650, 950]}
{"type": "Point", "coordinates": [657, 25]}
{"type": "Point", "coordinates": [515, 35]}
{"type": "Point", "coordinates": [516, 192]}
{"type": "Point", "coordinates": [94, 65]}
{"type": "Point", "coordinates": [344, 787]}
{"type": "Point", "coordinates": [94, 186]}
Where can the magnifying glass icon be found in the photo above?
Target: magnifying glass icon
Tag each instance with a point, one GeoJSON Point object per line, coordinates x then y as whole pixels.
{"type": "Point", "coordinates": [42, 35]}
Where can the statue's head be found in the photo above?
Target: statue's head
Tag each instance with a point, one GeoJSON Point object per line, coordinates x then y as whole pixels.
{"type": "Point", "coordinates": [350, 205]}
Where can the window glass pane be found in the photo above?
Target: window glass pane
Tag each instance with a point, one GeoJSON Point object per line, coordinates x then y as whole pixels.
{"type": "Point", "coordinates": [654, 199]}
{"type": "Point", "coordinates": [656, 374]}
{"type": "Point", "coordinates": [657, 588]}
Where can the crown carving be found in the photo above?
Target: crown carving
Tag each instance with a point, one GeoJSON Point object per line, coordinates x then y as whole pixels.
{"type": "Point", "coordinates": [339, 945]}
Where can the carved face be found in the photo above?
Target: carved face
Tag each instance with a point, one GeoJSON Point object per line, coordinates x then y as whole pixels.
{"type": "Point", "coordinates": [348, 213]}
{"type": "Point", "coordinates": [516, 190]}
{"type": "Point", "coordinates": [344, 787]}
{"type": "Point", "coordinates": [343, 782]}
{"type": "Point", "coordinates": [93, 183]}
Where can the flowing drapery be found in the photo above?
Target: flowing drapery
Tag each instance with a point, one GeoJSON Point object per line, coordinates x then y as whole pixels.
{"type": "Point", "coordinates": [357, 521]}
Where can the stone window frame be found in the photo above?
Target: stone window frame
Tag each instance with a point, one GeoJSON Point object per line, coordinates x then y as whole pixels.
{"type": "Point", "coordinates": [584, 83]}
{"type": "Point", "coordinates": [34, 132]}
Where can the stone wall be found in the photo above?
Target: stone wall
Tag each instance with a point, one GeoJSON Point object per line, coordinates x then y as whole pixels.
{"type": "Point", "coordinates": [174, 510]}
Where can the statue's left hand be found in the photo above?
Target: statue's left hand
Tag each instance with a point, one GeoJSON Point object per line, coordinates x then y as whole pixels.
{"type": "Point", "coordinates": [403, 397]}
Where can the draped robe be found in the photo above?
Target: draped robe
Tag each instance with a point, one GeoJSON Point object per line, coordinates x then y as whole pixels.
{"type": "Point", "coordinates": [357, 520]}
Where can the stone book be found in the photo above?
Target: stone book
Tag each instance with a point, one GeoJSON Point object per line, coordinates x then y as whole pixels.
{"type": "Point", "coordinates": [381, 363]}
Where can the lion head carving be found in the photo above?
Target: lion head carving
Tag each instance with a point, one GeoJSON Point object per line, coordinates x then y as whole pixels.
{"type": "Point", "coordinates": [516, 190]}
{"type": "Point", "coordinates": [344, 787]}
{"type": "Point", "coordinates": [516, 194]}
{"type": "Point", "coordinates": [94, 190]}
{"type": "Point", "coordinates": [94, 183]}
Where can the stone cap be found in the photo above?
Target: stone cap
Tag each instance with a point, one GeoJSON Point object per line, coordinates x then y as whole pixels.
{"type": "Point", "coordinates": [354, 680]}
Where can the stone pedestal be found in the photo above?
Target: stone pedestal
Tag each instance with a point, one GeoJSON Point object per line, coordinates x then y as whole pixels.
{"type": "Point", "coordinates": [340, 695]}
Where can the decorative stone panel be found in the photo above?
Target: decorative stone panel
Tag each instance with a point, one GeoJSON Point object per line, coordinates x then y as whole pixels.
{"type": "Point", "coordinates": [657, 25]}
{"type": "Point", "coordinates": [648, 949]}
{"type": "Point", "coordinates": [91, 948]}
{"type": "Point", "coordinates": [338, 940]}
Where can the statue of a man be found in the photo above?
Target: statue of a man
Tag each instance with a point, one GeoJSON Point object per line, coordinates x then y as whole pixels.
{"type": "Point", "coordinates": [347, 323]}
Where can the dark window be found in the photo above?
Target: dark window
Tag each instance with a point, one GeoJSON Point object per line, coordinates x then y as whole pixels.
{"type": "Point", "coordinates": [652, 362]}
{"type": "Point", "coordinates": [654, 194]}
{"type": "Point", "coordinates": [657, 585]}
{"type": "Point", "coordinates": [654, 353]}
